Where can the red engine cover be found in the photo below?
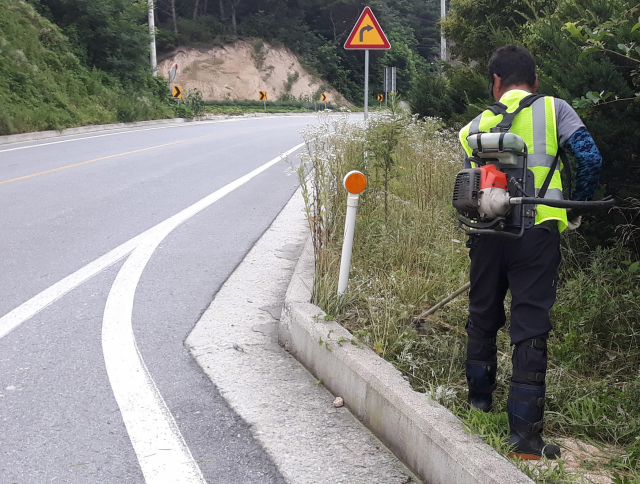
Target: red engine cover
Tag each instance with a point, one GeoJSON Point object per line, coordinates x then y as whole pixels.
{"type": "Point", "coordinates": [491, 177]}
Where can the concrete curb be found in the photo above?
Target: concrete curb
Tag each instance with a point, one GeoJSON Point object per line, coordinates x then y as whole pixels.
{"type": "Point", "coordinates": [422, 433]}
{"type": "Point", "coordinates": [40, 135]}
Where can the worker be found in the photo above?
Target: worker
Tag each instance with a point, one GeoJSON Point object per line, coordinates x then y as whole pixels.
{"type": "Point", "coordinates": [527, 266]}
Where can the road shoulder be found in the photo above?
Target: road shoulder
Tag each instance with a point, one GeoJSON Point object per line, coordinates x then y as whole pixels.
{"type": "Point", "coordinates": [421, 432]}
{"type": "Point", "coordinates": [289, 411]}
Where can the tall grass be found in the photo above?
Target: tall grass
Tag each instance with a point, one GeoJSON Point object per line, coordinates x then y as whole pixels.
{"type": "Point", "coordinates": [408, 254]}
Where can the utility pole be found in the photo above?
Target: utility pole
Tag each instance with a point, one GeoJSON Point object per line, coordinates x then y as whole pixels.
{"type": "Point", "coordinates": [443, 41]}
{"type": "Point", "coordinates": [152, 34]}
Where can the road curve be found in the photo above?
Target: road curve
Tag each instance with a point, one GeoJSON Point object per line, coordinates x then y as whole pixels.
{"type": "Point", "coordinates": [86, 210]}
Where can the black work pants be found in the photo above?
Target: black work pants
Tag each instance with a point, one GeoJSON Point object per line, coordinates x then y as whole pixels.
{"type": "Point", "coordinates": [527, 267]}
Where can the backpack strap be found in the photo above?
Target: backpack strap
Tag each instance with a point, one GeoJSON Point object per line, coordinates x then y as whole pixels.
{"type": "Point", "coordinates": [507, 118]}
{"type": "Point", "coordinates": [498, 108]}
{"type": "Point", "coordinates": [547, 181]}
{"type": "Point", "coordinates": [566, 168]}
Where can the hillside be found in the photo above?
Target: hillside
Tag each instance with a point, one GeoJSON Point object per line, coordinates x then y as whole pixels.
{"type": "Point", "coordinates": [44, 85]}
{"type": "Point", "coordinates": [241, 69]}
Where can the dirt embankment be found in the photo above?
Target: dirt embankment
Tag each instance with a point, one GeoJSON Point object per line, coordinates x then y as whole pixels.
{"type": "Point", "coordinates": [240, 71]}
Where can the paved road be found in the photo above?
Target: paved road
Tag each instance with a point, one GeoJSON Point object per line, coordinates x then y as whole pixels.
{"type": "Point", "coordinates": [71, 372]}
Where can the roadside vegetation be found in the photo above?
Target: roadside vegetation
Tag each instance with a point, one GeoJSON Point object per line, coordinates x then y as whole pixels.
{"type": "Point", "coordinates": [49, 82]}
{"type": "Point", "coordinates": [409, 254]}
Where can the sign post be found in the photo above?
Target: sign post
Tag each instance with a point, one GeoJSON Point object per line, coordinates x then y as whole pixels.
{"type": "Point", "coordinates": [389, 82]}
{"type": "Point", "coordinates": [355, 182]}
{"type": "Point", "coordinates": [367, 35]}
{"type": "Point", "coordinates": [366, 84]}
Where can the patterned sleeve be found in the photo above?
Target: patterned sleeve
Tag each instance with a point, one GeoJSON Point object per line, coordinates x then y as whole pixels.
{"type": "Point", "coordinates": [588, 163]}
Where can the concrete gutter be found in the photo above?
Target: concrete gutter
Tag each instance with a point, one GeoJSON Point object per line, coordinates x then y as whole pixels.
{"type": "Point", "coordinates": [428, 438]}
{"type": "Point", "coordinates": [40, 135]}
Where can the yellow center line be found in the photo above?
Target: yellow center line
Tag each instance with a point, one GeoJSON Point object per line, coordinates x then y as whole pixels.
{"type": "Point", "coordinates": [103, 158]}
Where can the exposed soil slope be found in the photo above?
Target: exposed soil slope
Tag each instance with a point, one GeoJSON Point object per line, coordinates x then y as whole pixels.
{"type": "Point", "coordinates": [240, 71]}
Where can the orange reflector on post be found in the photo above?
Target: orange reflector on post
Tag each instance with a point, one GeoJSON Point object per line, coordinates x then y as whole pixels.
{"type": "Point", "coordinates": [355, 182]}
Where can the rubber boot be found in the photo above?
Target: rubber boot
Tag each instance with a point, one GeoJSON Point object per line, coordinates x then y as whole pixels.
{"type": "Point", "coordinates": [481, 378]}
{"type": "Point", "coordinates": [525, 408]}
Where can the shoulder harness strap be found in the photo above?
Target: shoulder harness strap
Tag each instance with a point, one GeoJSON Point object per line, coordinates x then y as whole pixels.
{"type": "Point", "coordinates": [507, 118]}
{"type": "Point", "coordinates": [567, 169]}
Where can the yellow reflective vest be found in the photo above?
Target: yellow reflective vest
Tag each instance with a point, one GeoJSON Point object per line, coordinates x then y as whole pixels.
{"type": "Point", "coordinates": [537, 126]}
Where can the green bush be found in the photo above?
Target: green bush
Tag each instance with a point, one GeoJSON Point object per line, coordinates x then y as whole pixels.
{"type": "Point", "coordinates": [560, 34]}
{"type": "Point", "coordinates": [431, 96]}
{"type": "Point", "coordinates": [201, 31]}
{"type": "Point", "coordinates": [43, 84]}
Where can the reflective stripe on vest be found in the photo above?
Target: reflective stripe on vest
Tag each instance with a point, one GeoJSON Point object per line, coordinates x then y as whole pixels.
{"type": "Point", "coordinates": [537, 127]}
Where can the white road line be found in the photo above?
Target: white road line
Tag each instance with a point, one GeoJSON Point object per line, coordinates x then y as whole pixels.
{"type": "Point", "coordinates": [186, 125]}
{"type": "Point", "coordinates": [102, 136]}
{"type": "Point", "coordinates": [162, 453]}
{"type": "Point", "coordinates": [33, 306]}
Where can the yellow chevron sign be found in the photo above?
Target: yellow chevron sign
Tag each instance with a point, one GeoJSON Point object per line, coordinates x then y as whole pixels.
{"type": "Point", "coordinates": [263, 95]}
{"type": "Point", "coordinates": [177, 92]}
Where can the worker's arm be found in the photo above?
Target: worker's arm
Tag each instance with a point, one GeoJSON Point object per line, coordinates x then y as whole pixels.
{"type": "Point", "coordinates": [574, 138]}
{"type": "Point", "coordinates": [588, 163]}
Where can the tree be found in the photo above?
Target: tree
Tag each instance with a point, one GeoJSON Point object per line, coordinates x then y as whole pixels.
{"type": "Point", "coordinates": [195, 9]}
{"type": "Point", "coordinates": [234, 4]}
{"type": "Point", "coordinates": [173, 16]}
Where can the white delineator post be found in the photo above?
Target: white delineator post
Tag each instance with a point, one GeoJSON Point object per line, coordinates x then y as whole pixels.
{"type": "Point", "coordinates": [355, 182]}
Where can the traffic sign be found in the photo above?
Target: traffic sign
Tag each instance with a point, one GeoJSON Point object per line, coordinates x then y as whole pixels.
{"type": "Point", "coordinates": [380, 97]}
{"type": "Point", "coordinates": [177, 92]}
{"type": "Point", "coordinates": [173, 72]}
{"type": "Point", "coordinates": [367, 33]}
{"type": "Point", "coordinates": [263, 95]}
{"type": "Point", "coordinates": [323, 97]}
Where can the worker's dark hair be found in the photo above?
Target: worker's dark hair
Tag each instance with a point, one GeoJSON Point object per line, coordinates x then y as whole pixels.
{"type": "Point", "coordinates": [514, 65]}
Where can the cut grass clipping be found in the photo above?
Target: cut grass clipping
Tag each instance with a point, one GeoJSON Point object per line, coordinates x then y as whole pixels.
{"type": "Point", "coordinates": [408, 254]}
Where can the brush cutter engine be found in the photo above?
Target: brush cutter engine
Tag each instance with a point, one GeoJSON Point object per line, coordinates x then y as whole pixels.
{"type": "Point", "coordinates": [481, 193]}
{"type": "Point", "coordinates": [494, 195]}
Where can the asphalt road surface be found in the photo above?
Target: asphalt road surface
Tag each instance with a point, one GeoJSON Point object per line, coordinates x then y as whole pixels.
{"type": "Point", "coordinates": [88, 222]}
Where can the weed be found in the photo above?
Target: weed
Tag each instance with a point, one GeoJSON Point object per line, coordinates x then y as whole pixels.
{"type": "Point", "coordinates": [408, 255]}
{"type": "Point", "coordinates": [292, 78]}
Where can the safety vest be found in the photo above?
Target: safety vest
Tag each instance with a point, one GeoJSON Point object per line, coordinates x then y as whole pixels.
{"type": "Point", "coordinates": [537, 126]}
